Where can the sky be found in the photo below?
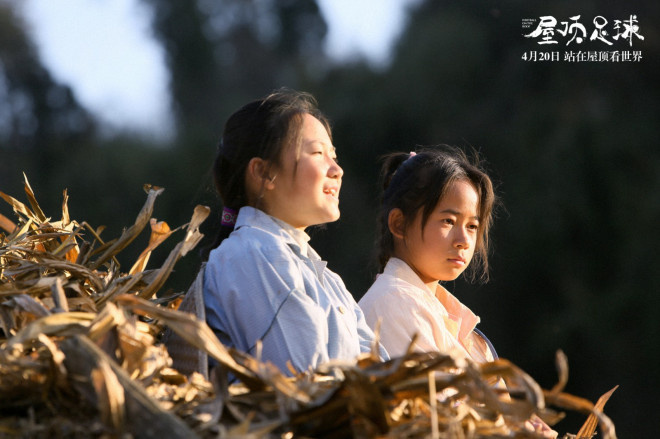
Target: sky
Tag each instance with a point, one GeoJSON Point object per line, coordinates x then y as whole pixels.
{"type": "Point", "coordinates": [105, 51]}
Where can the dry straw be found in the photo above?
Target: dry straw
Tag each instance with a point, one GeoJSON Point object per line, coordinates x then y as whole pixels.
{"type": "Point", "coordinates": [81, 356]}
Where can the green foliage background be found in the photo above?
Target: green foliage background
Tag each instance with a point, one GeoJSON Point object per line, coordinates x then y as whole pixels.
{"type": "Point", "coordinates": [573, 148]}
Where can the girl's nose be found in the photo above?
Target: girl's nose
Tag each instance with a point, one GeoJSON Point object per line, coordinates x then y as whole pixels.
{"type": "Point", "coordinates": [462, 240]}
{"type": "Point", "coordinates": [335, 170]}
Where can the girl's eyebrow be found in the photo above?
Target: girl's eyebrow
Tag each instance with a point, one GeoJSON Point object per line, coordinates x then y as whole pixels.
{"type": "Point", "coordinates": [322, 143]}
{"type": "Point", "coordinates": [457, 213]}
{"type": "Point", "coordinates": [329, 146]}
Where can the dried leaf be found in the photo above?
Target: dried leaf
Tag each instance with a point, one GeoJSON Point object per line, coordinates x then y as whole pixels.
{"type": "Point", "coordinates": [61, 304]}
{"type": "Point", "coordinates": [57, 356]}
{"type": "Point", "coordinates": [591, 423]}
{"type": "Point", "coordinates": [38, 213]}
{"type": "Point", "coordinates": [110, 395]}
{"type": "Point", "coordinates": [160, 231]}
{"type": "Point", "coordinates": [143, 416]}
{"type": "Point", "coordinates": [7, 224]}
{"type": "Point", "coordinates": [132, 232]}
{"type": "Point", "coordinates": [192, 238]}
{"type": "Point", "coordinates": [66, 219]}
{"type": "Point", "coordinates": [18, 206]}
{"type": "Point", "coordinates": [30, 304]}
{"type": "Point", "coordinates": [561, 362]}
{"type": "Point", "coordinates": [195, 332]}
{"type": "Point", "coordinates": [61, 324]}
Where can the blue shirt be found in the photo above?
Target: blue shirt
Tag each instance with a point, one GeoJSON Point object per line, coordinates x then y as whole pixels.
{"type": "Point", "coordinates": [264, 282]}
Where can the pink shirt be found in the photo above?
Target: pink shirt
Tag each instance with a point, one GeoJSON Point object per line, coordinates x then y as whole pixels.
{"type": "Point", "coordinates": [406, 306]}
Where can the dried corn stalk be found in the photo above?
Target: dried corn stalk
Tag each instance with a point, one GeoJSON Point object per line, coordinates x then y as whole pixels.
{"type": "Point", "coordinates": [71, 360]}
{"type": "Point", "coordinates": [80, 357]}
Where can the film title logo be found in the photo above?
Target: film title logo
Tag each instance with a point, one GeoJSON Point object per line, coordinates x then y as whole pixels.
{"type": "Point", "coordinates": [615, 37]}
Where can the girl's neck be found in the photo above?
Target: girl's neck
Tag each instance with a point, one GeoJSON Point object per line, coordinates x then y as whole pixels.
{"type": "Point", "coordinates": [433, 286]}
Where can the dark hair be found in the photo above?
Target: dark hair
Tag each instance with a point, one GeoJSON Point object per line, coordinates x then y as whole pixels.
{"type": "Point", "coordinates": [413, 182]}
{"type": "Point", "coordinates": [261, 128]}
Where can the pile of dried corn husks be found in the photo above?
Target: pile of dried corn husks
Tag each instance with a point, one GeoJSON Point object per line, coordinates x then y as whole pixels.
{"type": "Point", "coordinates": [80, 357]}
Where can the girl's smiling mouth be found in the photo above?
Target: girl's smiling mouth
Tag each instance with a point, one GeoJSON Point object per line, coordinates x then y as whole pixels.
{"type": "Point", "coordinates": [332, 191]}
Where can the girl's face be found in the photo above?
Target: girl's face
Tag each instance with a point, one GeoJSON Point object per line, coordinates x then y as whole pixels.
{"type": "Point", "coordinates": [305, 191]}
{"type": "Point", "coordinates": [444, 248]}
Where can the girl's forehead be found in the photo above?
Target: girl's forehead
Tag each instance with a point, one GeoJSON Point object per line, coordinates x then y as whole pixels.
{"type": "Point", "coordinates": [313, 126]}
{"type": "Point", "coordinates": [461, 192]}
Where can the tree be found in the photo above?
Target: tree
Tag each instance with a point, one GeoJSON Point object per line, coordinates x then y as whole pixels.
{"type": "Point", "coordinates": [35, 111]}
{"type": "Point", "coordinates": [222, 54]}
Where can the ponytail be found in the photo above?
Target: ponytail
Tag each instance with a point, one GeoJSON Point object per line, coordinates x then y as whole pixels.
{"type": "Point", "coordinates": [384, 238]}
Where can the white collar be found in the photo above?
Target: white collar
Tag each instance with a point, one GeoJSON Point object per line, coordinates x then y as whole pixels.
{"type": "Point", "coordinates": [400, 269]}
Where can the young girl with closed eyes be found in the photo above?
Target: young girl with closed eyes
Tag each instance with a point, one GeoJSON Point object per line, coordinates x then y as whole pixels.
{"type": "Point", "coordinates": [277, 174]}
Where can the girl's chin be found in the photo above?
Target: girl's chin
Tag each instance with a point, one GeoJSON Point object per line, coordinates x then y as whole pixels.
{"type": "Point", "coordinates": [451, 276]}
{"type": "Point", "coordinates": [331, 217]}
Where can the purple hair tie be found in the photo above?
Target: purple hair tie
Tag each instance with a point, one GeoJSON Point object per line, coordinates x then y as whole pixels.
{"type": "Point", "coordinates": [228, 217]}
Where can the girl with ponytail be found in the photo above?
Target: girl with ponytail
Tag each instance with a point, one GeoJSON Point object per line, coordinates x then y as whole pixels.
{"type": "Point", "coordinates": [433, 224]}
{"type": "Point", "coordinates": [277, 174]}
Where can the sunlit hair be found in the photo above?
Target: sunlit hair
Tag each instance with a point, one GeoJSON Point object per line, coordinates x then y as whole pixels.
{"type": "Point", "coordinates": [417, 183]}
{"type": "Point", "coordinates": [262, 128]}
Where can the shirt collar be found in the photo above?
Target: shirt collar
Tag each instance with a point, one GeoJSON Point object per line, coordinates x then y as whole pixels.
{"type": "Point", "coordinates": [468, 320]}
{"type": "Point", "coordinates": [297, 239]}
{"type": "Point", "coordinates": [399, 269]}
{"type": "Point", "coordinates": [301, 238]}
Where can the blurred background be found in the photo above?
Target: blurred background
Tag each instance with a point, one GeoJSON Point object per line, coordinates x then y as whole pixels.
{"type": "Point", "coordinates": [572, 147]}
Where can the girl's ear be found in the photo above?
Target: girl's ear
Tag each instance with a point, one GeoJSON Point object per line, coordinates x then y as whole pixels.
{"type": "Point", "coordinates": [396, 223]}
{"type": "Point", "coordinates": [257, 173]}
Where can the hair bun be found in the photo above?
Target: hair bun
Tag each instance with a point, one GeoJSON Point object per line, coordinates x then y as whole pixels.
{"type": "Point", "coordinates": [391, 163]}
